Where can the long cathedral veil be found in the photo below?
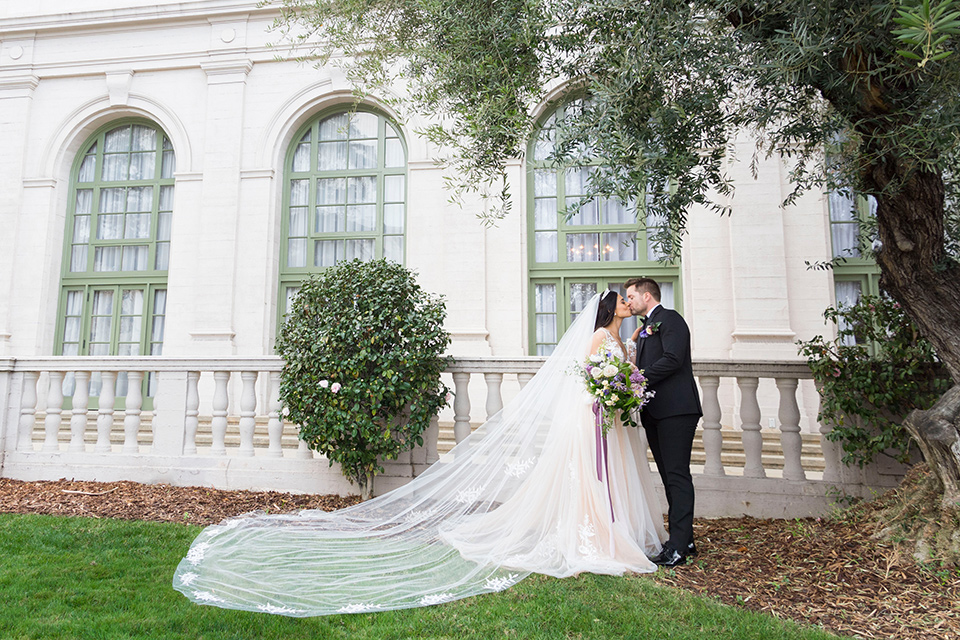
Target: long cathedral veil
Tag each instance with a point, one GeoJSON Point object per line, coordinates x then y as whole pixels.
{"type": "Point", "coordinates": [392, 552]}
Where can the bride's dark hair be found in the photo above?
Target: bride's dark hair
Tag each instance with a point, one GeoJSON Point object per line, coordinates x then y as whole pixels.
{"type": "Point", "coordinates": [606, 309]}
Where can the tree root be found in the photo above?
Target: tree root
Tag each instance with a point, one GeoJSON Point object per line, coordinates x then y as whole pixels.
{"type": "Point", "coordinates": [937, 432]}
{"type": "Point", "coordinates": [915, 516]}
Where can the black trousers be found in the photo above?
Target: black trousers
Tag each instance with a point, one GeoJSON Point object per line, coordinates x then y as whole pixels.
{"type": "Point", "coordinates": [671, 440]}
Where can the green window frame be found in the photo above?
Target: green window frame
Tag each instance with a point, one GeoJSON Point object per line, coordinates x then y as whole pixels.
{"type": "Point", "coordinates": [571, 257]}
{"type": "Point", "coordinates": [344, 197]}
{"type": "Point", "coordinates": [854, 274]}
{"type": "Point", "coordinates": [116, 253]}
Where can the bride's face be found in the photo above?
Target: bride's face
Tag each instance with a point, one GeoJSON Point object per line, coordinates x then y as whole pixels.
{"type": "Point", "coordinates": [623, 309]}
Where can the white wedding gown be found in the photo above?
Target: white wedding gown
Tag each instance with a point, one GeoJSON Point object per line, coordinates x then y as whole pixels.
{"type": "Point", "coordinates": [522, 494]}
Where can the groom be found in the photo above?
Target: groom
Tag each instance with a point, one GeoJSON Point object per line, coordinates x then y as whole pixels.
{"type": "Point", "coordinates": [670, 418]}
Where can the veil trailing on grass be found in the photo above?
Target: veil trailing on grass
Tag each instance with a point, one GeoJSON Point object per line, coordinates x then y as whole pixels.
{"type": "Point", "coordinates": [416, 545]}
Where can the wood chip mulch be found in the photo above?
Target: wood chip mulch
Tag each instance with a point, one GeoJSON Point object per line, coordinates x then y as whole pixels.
{"type": "Point", "coordinates": [156, 502]}
{"type": "Point", "coordinates": [827, 572]}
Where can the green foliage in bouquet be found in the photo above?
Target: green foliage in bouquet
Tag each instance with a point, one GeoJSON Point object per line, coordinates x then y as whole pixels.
{"type": "Point", "coordinates": [363, 346]}
{"type": "Point", "coordinates": [877, 370]}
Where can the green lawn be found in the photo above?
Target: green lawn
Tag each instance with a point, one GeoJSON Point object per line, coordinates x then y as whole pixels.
{"type": "Point", "coordinates": [103, 579]}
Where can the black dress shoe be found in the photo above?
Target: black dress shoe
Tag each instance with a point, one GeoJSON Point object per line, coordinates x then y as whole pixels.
{"type": "Point", "coordinates": [691, 550]}
{"type": "Point", "coordinates": [670, 558]}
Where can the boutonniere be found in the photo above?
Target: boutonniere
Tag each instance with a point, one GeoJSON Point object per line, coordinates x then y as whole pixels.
{"type": "Point", "coordinates": [649, 330]}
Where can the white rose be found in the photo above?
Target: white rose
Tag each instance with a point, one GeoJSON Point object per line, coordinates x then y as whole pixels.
{"type": "Point", "coordinates": [596, 373]}
{"type": "Point", "coordinates": [596, 358]}
{"type": "Point", "coordinates": [324, 384]}
{"type": "Point", "coordinates": [610, 370]}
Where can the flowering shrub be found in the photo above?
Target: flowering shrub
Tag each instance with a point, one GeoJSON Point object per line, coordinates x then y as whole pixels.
{"type": "Point", "coordinates": [877, 370]}
{"type": "Point", "coordinates": [363, 346]}
{"type": "Point", "coordinates": [617, 386]}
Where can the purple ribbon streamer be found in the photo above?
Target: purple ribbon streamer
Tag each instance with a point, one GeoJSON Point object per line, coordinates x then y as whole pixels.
{"type": "Point", "coordinates": [603, 469]}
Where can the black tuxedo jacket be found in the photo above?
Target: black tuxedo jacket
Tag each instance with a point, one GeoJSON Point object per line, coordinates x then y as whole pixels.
{"type": "Point", "coordinates": [665, 360]}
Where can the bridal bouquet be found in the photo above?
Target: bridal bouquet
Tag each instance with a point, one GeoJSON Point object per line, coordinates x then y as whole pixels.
{"type": "Point", "coordinates": [617, 386]}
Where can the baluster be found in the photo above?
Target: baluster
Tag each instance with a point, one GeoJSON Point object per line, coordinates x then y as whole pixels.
{"type": "Point", "coordinates": [248, 412]}
{"type": "Point", "coordinates": [750, 423]}
{"type": "Point", "coordinates": [219, 423]}
{"type": "Point", "coordinates": [131, 417]}
{"type": "Point", "coordinates": [108, 390]}
{"type": "Point", "coordinates": [831, 453]}
{"type": "Point", "coordinates": [153, 386]}
{"type": "Point", "coordinates": [274, 423]}
{"type": "Point", "coordinates": [430, 437]}
{"type": "Point", "coordinates": [192, 413]}
{"type": "Point", "coordinates": [81, 400]}
{"type": "Point", "coordinates": [303, 451]}
{"type": "Point", "coordinates": [790, 439]}
{"type": "Point", "coordinates": [51, 425]}
{"type": "Point", "coordinates": [28, 410]}
{"type": "Point", "coordinates": [712, 435]}
{"type": "Point", "coordinates": [524, 378]}
{"type": "Point", "coordinates": [494, 396]}
{"type": "Point", "coordinates": [461, 406]}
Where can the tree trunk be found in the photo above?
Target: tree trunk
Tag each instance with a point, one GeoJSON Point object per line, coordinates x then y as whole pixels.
{"type": "Point", "coordinates": [366, 487]}
{"type": "Point", "coordinates": [918, 273]}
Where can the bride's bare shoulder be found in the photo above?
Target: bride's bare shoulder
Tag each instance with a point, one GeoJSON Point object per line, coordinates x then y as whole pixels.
{"type": "Point", "coordinates": [598, 338]}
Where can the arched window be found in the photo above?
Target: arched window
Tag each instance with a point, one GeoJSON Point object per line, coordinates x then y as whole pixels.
{"type": "Point", "coordinates": [344, 196]}
{"type": "Point", "coordinates": [572, 257]}
{"type": "Point", "coordinates": [117, 245]}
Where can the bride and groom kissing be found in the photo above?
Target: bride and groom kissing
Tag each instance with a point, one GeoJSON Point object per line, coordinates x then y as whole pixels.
{"type": "Point", "coordinates": [527, 492]}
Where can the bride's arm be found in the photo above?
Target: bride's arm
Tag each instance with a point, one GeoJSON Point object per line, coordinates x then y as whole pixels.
{"type": "Point", "coordinates": [631, 346]}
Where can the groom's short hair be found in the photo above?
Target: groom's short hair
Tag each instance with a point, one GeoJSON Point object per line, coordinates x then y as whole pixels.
{"type": "Point", "coordinates": [644, 284]}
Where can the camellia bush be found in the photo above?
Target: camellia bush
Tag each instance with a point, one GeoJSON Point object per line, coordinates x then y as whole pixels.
{"type": "Point", "coordinates": [363, 345]}
{"type": "Point", "coordinates": [877, 370]}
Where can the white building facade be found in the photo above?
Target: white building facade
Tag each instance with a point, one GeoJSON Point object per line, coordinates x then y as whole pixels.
{"type": "Point", "coordinates": [166, 180]}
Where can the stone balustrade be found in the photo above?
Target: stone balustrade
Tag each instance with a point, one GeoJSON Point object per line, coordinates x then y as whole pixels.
{"type": "Point", "coordinates": [218, 422]}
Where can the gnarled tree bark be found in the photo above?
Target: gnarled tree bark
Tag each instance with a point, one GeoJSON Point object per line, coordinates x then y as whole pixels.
{"type": "Point", "coordinates": [935, 430]}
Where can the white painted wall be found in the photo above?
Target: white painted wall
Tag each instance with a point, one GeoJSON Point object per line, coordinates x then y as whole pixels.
{"type": "Point", "coordinates": [203, 71]}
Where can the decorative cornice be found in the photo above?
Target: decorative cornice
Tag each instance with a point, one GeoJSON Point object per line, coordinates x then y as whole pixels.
{"type": "Point", "coordinates": [39, 183]}
{"type": "Point", "coordinates": [26, 83]}
{"type": "Point", "coordinates": [256, 174]}
{"type": "Point", "coordinates": [227, 72]}
{"type": "Point", "coordinates": [128, 16]}
{"type": "Point", "coordinates": [213, 335]}
{"type": "Point", "coordinates": [764, 335]}
{"type": "Point", "coordinates": [192, 176]}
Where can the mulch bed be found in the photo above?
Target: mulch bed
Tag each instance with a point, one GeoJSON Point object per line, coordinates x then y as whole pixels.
{"type": "Point", "coordinates": [828, 572]}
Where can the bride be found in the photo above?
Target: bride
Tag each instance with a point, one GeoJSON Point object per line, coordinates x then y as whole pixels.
{"type": "Point", "coordinates": [527, 492]}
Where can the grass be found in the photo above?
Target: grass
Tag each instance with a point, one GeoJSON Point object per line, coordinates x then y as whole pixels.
{"type": "Point", "coordinates": [88, 578]}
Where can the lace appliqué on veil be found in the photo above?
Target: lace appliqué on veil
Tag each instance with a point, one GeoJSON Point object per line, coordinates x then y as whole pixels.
{"type": "Point", "coordinates": [437, 598]}
{"type": "Point", "coordinates": [466, 496]}
{"type": "Point", "coordinates": [206, 596]}
{"type": "Point", "coordinates": [519, 468]}
{"type": "Point", "coordinates": [196, 553]}
{"type": "Point", "coordinates": [499, 584]}
{"type": "Point", "coordinates": [283, 611]}
{"type": "Point", "coordinates": [358, 608]}
{"type": "Point", "coordinates": [587, 531]}
{"type": "Point", "coordinates": [186, 579]}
